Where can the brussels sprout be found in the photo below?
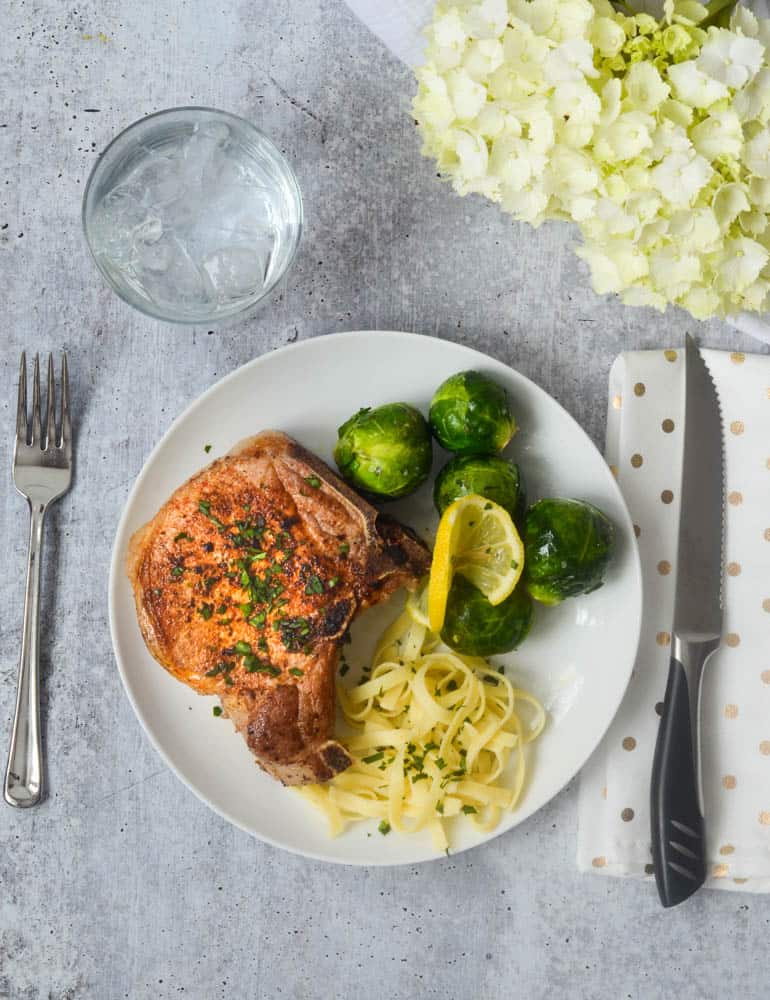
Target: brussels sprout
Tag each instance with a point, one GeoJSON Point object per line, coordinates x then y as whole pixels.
{"type": "Point", "coordinates": [487, 475]}
{"type": "Point", "coordinates": [568, 545]}
{"type": "Point", "coordinates": [469, 415]}
{"type": "Point", "coordinates": [474, 627]}
{"type": "Point", "coordinates": [386, 452]}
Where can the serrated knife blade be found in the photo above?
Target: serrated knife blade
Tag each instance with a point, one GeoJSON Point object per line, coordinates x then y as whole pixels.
{"type": "Point", "coordinates": [698, 605]}
{"type": "Point", "coordinates": [678, 826]}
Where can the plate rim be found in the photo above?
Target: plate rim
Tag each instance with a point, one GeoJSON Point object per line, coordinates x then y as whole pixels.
{"type": "Point", "coordinates": [117, 569]}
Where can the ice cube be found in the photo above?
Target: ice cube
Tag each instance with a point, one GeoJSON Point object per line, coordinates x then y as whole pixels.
{"type": "Point", "coordinates": [170, 276]}
{"type": "Point", "coordinates": [200, 150]}
{"type": "Point", "coordinates": [237, 272]}
{"type": "Point", "coordinates": [160, 180]}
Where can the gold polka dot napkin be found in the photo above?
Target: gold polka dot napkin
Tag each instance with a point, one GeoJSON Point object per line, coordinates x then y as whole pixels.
{"type": "Point", "coordinates": [644, 448]}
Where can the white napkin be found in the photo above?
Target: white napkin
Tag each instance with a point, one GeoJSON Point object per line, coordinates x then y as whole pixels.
{"type": "Point", "coordinates": [399, 24]}
{"type": "Point", "coordinates": [644, 444]}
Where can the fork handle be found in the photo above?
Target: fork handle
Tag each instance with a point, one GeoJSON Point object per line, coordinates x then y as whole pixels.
{"type": "Point", "coordinates": [24, 775]}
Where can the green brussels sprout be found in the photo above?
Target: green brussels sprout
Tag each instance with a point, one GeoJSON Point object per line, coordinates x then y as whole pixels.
{"type": "Point", "coordinates": [474, 627]}
{"type": "Point", "coordinates": [386, 451]}
{"type": "Point", "coordinates": [492, 477]}
{"type": "Point", "coordinates": [568, 545]}
{"type": "Point", "coordinates": [469, 415]}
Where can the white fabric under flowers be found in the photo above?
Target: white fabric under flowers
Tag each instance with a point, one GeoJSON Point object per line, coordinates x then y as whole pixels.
{"type": "Point", "coordinates": [646, 418]}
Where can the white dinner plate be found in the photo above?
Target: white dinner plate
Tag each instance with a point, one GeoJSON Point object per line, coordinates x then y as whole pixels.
{"type": "Point", "coordinates": [577, 658]}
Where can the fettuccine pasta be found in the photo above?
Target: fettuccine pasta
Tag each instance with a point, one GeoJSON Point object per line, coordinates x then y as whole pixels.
{"type": "Point", "coordinates": [431, 733]}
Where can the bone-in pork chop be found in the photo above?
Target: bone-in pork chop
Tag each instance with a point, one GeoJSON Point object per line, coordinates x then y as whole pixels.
{"type": "Point", "coordinates": [246, 581]}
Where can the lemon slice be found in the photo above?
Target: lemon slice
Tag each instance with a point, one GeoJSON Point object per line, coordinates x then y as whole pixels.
{"type": "Point", "coordinates": [477, 538]}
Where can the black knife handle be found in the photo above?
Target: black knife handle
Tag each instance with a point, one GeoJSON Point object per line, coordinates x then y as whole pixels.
{"type": "Point", "coordinates": [678, 843]}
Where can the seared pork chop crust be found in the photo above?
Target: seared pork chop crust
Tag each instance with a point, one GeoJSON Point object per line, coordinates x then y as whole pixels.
{"type": "Point", "coordinates": [246, 582]}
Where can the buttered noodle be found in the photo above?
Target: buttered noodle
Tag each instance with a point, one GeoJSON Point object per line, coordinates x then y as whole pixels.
{"type": "Point", "coordinates": [431, 733]}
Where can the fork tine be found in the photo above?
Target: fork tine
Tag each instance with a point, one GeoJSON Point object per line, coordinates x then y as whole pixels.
{"type": "Point", "coordinates": [65, 439]}
{"type": "Point", "coordinates": [50, 407]}
{"type": "Point", "coordinates": [36, 402]}
{"type": "Point", "coordinates": [22, 430]}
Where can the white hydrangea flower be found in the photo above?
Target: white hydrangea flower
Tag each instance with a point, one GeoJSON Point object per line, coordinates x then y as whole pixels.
{"type": "Point", "coordinates": [743, 21]}
{"type": "Point", "coordinates": [730, 58]}
{"type": "Point", "coordinates": [652, 137]}
{"type": "Point", "coordinates": [628, 136]}
{"type": "Point", "coordinates": [467, 152]}
{"type": "Point", "coordinates": [755, 296]}
{"type": "Point", "coordinates": [575, 101]}
{"type": "Point", "coordinates": [741, 262]}
{"type": "Point", "coordinates": [450, 36]}
{"type": "Point", "coordinates": [433, 106]}
{"type": "Point", "coordinates": [491, 121]}
{"type": "Point", "coordinates": [527, 205]}
{"type": "Point", "coordinates": [525, 52]}
{"type": "Point", "coordinates": [756, 153]}
{"type": "Point", "coordinates": [692, 86]}
{"type": "Point", "coordinates": [467, 96]}
{"type": "Point", "coordinates": [673, 270]}
{"type": "Point", "coordinates": [482, 57]}
{"type": "Point", "coordinates": [702, 301]}
{"type": "Point", "coordinates": [607, 36]}
{"type": "Point", "coordinates": [487, 19]}
{"type": "Point", "coordinates": [572, 20]}
{"type": "Point", "coordinates": [753, 102]}
{"type": "Point", "coordinates": [570, 60]}
{"type": "Point", "coordinates": [645, 88]}
{"type": "Point", "coordinates": [720, 134]}
{"type": "Point", "coordinates": [759, 192]}
{"type": "Point", "coordinates": [540, 15]}
{"type": "Point", "coordinates": [643, 295]}
{"type": "Point", "coordinates": [680, 176]}
{"type": "Point", "coordinates": [729, 201]}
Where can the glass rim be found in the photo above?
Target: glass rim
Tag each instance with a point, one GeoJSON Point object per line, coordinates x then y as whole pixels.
{"type": "Point", "coordinates": [226, 314]}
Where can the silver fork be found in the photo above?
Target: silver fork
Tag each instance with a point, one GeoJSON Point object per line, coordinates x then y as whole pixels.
{"type": "Point", "coordinates": [42, 472]}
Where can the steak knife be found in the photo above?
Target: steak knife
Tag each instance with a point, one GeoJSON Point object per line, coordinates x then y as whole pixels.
{"type": "Point", "coordinates": [678, 828]}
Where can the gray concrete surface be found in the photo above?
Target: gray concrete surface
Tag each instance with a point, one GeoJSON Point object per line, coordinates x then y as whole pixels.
{"type": "Point", "coordinates": [122, 884]}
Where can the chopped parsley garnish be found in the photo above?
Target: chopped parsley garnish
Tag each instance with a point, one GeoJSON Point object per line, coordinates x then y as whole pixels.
{"type": "Point", "coordinates": [216, 710]}
{"type": "Point", "coordinates": [487, 506]}
{"type": "Point", "coordinates": [220, 668]}
{"type": "Point", "coordinates": [204, 506]}
{"type": "Point", "coordinates": [314, 585]}
{"type": "Point", "coordinates": [207, 449]}
{"type": "Point", "coordinates": [206, 611]}
{"type": "Point", "coordinates": [258, 620]}
{"type": "Point", "coordinates": [344, 549]}
{"type": "Point", "coordinates": [469, 809]}
{"type": "Point", "coordinates": [440, 763]}
{"type": "Point", "coordinates": [344, 667]}
{"type": "Point", "coordinates": [374, 757]}
{"type": "Point", "coordinates": [313, 481]}
{"type": "Point", "coordinates": [440, 807]}
{"type": "Point", "coordinates": [332, 582]}
{"type": "Point", "coordinates": [294, 632]}
{"type": "Point", "coordinates": [514, 564]}
{"type": "Point", "coordinates": [244, 648]}
{"type": "Point", "coordinates": [490, 680]}
{"type": "Point", "coordinates": [181, 536]}
{"type": "Point", "coordinates": [418, 777]}
{"type": "Point", "coordinates": [177, 571]}
{"type": "Point", "coordinates": [384, 827]}
{"type": "Point", "coordinates": [222, 609]}
{"type": "Point", "coordinates": [296, 672]}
